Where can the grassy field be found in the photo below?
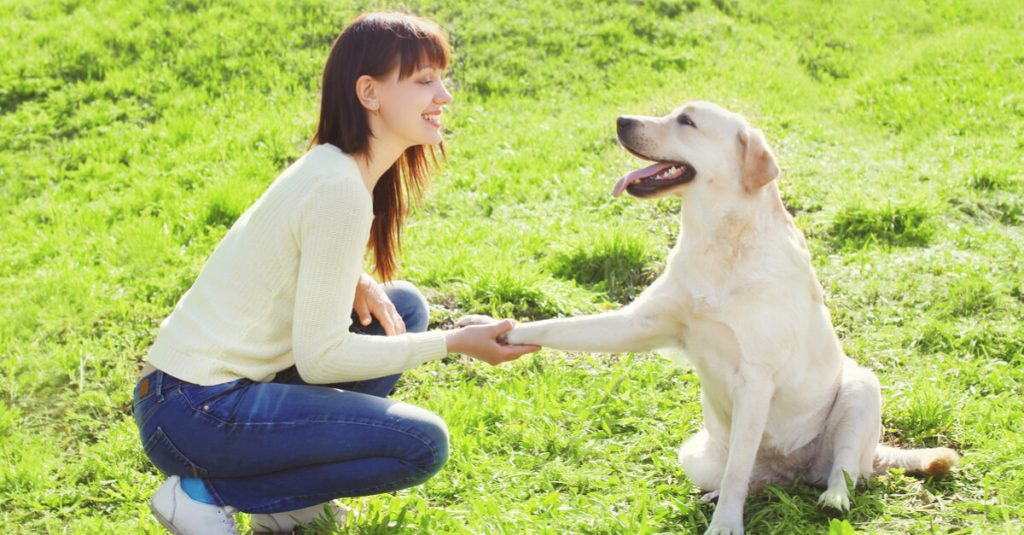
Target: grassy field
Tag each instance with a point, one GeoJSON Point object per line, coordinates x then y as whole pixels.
{"type": "Point", "coordinates": [132, 134]}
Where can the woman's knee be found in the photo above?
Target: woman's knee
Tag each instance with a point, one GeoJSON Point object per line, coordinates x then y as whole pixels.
{"type": "Point", "coordinates": [438, 433]}
{"type": "Point", "coordinates": [410, 303]}
{"type": "Point", "coordinates": [431, 451]}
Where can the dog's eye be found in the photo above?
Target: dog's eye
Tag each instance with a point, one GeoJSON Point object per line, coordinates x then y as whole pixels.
{"type": "Point", "coordinates": [684, 119]}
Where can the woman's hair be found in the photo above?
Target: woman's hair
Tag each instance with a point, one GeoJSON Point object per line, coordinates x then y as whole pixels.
{"type": "Point", "coordinates": [373, 45]}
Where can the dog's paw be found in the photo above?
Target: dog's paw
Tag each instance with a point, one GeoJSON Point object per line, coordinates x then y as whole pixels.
{"type": "Point", "coordinates": [710, 497]}
{"type": "Point", "coordinates": [724, 527]}
{"type": "Point", "coordinates": [837, 499]}
{"type": "Point", "coordinates": [513, 337]}
{"type": "Point", "coordinates": [474, 319]}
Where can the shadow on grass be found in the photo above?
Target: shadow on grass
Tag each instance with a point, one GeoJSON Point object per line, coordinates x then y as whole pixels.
{"type": "Point", "coordinates": [794, 508]}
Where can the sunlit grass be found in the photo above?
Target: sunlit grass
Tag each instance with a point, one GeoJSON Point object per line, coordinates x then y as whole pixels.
{"type": "Point", "coordinates": [133, 134]}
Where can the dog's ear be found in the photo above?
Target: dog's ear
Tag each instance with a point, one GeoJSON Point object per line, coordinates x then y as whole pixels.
{"type": "Point", "coordinates": [759, 165]}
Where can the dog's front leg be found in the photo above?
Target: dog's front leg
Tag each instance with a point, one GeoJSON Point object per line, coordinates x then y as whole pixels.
{"type": "Point", "coordinates": [655, 320]}
{"type": "Point", "coordinates": [613, 332]}
{"type": "Point", "coordinates": [751, 401]}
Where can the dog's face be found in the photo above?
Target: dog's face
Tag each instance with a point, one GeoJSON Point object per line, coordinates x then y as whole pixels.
{"type": "Point", "coordinates": [699, 146]}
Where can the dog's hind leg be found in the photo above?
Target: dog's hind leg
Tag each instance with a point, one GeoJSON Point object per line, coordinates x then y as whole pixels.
{"type": "Point", "coordinates": [854, 427]}
{"type": "Point", "coordinates": [703, 460]}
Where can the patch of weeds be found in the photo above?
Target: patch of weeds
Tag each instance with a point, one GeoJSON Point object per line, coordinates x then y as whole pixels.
{"type": "Point", "coordinates": [797, 205]}
{"type": "Point", "coordinates": [987, 181]}
{"type": "Point", "coordinates": [1006, 208]}
{"type": "Point", "coordinates": [904, 226]}
{"type": "Point", "coordinates": [975, 207]}
{"type": "Point", "coordinates": [970, 296]}
{"type": "Point", "coordinates": [1018, 292]}
{"type": "Point", "coordinates": [828, 59]}
{"type": "Point", "coordinates": [517, 295]}
{"type": "Point", "coordinates": [730, 8]}
{"type": "Point", "coordinates": [219, 213]}
{"type": "Point", "coordinates": [672, 8]}
{"type": "Point", "coordinates": [9, 418]}
{"type": "Point", "coordinates": [222, 209]}
{"type": "Point", "coordinates": [615, 264]}
{"type": "Point", "coordinates": [1011, 211]}
{"type": "Point", "coordinates": [22, 89]}
{"type": "Point", "coordinates": [840, 527]}
{"type": "Point", "coordinates": [921, 412]}
{"type": "Point", "coordinates": [984, 339]}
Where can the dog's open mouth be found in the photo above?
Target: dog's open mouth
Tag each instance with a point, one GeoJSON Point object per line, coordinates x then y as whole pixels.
{"type": "Point", "coordinates": [653, 178]}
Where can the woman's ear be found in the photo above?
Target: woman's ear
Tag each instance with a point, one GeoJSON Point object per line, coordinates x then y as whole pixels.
{"type": "Point", "coordinates": [366, 92]}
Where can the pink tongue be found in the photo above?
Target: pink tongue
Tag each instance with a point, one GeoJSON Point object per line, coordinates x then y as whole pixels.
{"type": "Point", "coordinates": [625, 181]}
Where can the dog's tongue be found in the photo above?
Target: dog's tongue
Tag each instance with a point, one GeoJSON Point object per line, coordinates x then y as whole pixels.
{"type": "Point", "coordinates": [625, 181]}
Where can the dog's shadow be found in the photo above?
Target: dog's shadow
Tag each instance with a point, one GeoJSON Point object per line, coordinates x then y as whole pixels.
{"type": "Point", "coordinates": [794, 508]}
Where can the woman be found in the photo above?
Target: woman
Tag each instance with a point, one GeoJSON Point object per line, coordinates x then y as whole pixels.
{"type": "Point", "coordinates": [264, 392]}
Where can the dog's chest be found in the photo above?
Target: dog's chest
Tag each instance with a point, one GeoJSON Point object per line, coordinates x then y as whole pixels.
{"type": "Point", "coordinates": [712, 348]}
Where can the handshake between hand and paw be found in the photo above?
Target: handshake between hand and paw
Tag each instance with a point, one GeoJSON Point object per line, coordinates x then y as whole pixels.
{"type": "Point", "coordinates": [485, 338]}
{"type": "Point", "coordinates": [481, 319]}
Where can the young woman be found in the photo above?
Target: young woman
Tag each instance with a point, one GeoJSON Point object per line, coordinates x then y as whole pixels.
{"type": "Point", "coordinates": [265, 390]}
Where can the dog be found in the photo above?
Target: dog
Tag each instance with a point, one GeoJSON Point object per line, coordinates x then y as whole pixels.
{"type": "Point", "coordinates": [739, 297]}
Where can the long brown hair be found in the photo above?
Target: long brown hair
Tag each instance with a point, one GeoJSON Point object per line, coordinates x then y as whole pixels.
{"type": "Point", "coordinates": [374, 44]}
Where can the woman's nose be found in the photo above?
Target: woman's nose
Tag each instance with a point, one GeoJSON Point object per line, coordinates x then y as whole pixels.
{"type": "Point", "coordinates": [443, 97]}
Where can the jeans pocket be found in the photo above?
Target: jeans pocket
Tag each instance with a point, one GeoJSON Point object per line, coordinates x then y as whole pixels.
{"type": "Point", "coordinates": [142, 411]}
{"type": "Point", "coordinates": [168, 458]}
{"type": "Point", "coordinates": [219, 401]}
{"type": "Point", "coordinates": [143, 390]}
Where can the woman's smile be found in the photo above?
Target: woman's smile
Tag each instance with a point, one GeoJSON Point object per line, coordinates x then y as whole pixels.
{"type": "Point", "coordinates": [433, 118]}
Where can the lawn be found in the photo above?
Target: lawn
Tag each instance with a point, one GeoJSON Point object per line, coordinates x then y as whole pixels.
{"type": "Point", "coordinates": [134, 133]}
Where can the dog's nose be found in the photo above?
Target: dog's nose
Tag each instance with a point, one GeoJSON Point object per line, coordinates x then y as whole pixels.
{"type": "Point", "coordinates": [625, 124]}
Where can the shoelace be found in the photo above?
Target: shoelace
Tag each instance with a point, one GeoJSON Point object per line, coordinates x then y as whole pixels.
{"type": "Point", "coordinates": [228, 519]}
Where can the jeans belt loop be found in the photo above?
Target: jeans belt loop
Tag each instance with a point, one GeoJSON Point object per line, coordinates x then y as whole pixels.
{"type": "Point", "coordinates": [158, 386]}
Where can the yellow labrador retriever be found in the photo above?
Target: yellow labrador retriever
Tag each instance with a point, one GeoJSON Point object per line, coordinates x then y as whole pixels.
{"type": "Point", "coordinates": [739, 297]}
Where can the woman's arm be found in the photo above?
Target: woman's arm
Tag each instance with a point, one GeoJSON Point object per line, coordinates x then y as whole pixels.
{"type": "Point", "coordinates": [333, 229]}
{"type": "Point", "coordinates": [333, 233]}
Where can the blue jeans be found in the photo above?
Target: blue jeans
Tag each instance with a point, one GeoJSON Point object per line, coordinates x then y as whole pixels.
{"type": "Point", "coordinates": [284, 445]}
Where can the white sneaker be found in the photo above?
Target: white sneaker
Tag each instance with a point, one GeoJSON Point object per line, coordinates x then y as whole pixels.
{"type": "Point", "coordinates": [287, 521]}
{"type": "Point", "coordinates": [182, 515]}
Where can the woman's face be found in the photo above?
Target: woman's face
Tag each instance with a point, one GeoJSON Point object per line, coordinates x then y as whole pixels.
{"type": "Point", "coordinates": [410, 109]}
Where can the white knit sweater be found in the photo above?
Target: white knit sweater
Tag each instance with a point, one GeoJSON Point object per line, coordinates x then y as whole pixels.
{"type": "Point", "coordinates": [278, 289]}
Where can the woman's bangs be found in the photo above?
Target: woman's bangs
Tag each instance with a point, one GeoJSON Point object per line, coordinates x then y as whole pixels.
{"type": "Point", "coordinates": [427, 48]}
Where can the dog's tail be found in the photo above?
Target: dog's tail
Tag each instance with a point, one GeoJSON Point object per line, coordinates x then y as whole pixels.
{"type": "Point", "coordinates": [931, 462]}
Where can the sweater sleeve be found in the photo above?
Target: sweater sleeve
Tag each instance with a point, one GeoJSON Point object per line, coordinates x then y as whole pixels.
{"type": "Point", "coordinates": [333, 229]}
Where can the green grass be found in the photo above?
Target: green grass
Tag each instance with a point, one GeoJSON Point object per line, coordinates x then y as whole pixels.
{"type": "Point", "coordinates": [132, 134]}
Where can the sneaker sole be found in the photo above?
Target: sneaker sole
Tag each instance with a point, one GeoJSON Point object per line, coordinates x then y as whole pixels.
{"type": "Point", "coordinates": [164, 521]}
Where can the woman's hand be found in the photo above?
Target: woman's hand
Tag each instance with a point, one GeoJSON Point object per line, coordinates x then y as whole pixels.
{"type": "Point", "coordinates": [372, 302]}
{"type": "Point", "coordinates": [481, 342]}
